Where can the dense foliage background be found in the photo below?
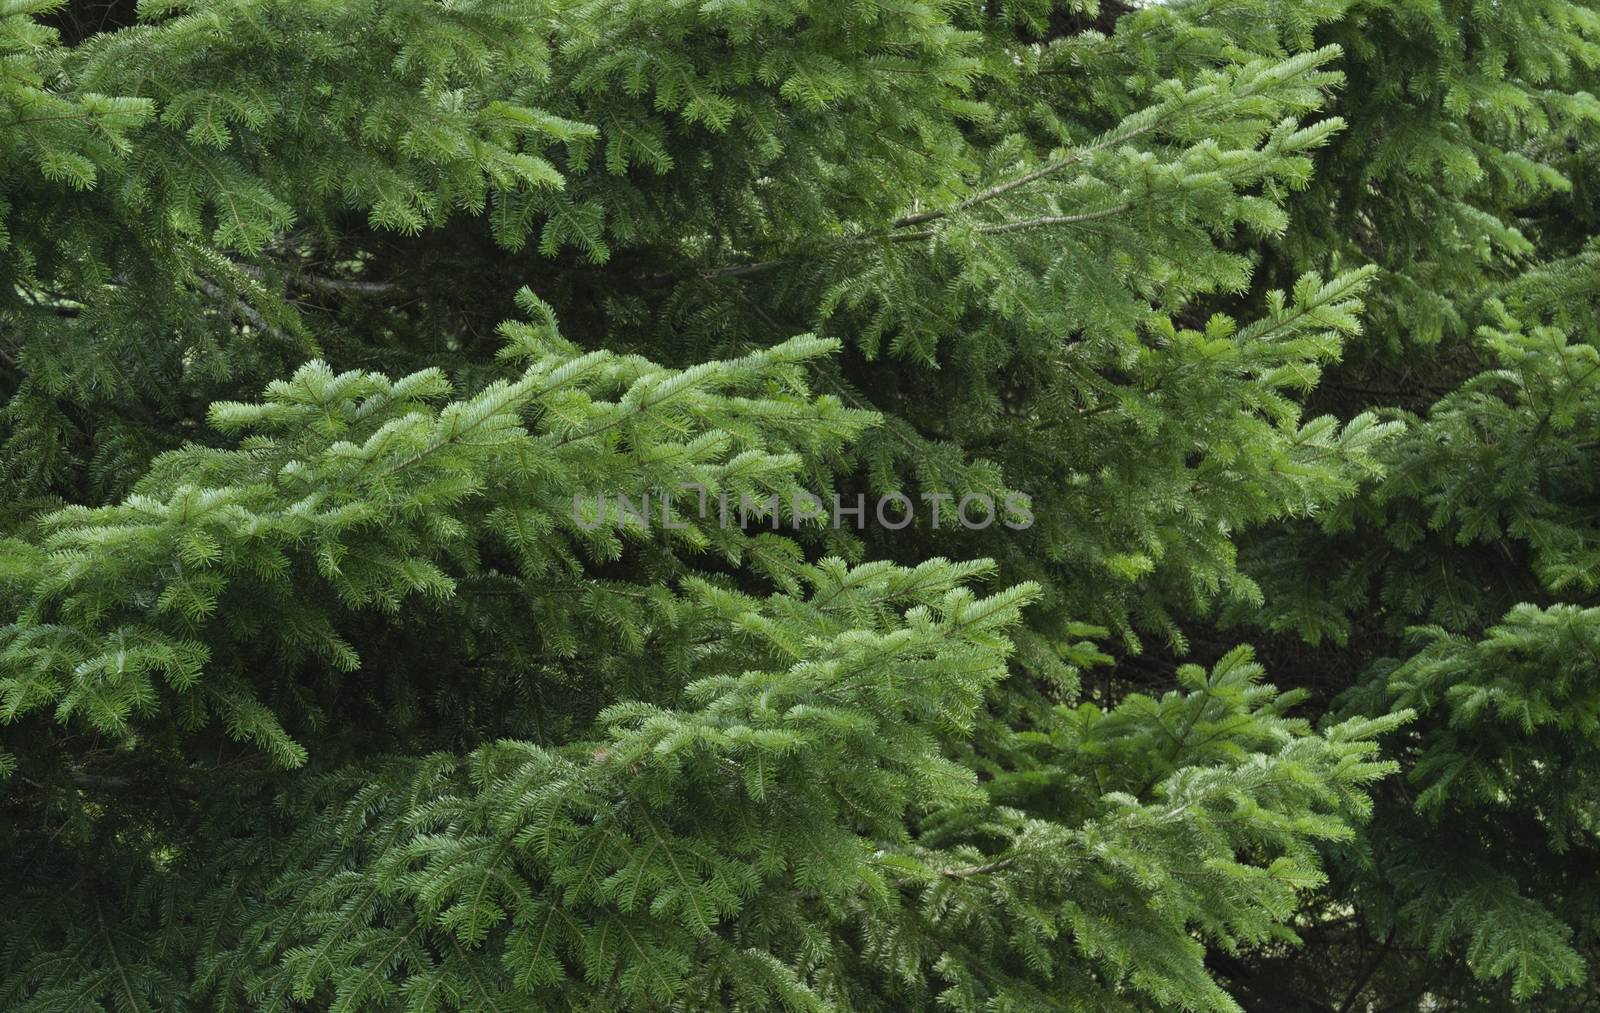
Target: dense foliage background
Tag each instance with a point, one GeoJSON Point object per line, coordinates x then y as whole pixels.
{"type": "Point", "coordinates": [1282, 316]}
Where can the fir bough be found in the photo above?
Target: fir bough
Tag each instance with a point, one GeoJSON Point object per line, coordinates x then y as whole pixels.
{"type": "Point", "coordinates": [372, 642]}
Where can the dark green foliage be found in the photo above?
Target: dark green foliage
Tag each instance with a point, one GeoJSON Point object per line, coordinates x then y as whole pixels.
{"type": "Point", "coordinates": [374, 373]}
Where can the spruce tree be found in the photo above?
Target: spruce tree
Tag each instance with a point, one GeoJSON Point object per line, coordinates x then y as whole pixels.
{"type": "Point", "coordinates": [444, 568]}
